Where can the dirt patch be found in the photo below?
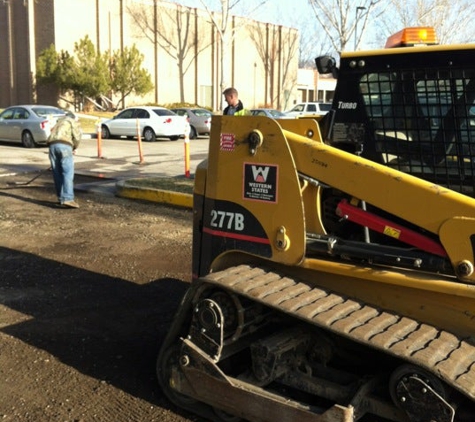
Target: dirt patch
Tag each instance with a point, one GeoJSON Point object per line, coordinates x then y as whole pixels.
{"type": "Point", "coordinates": [86, 296]}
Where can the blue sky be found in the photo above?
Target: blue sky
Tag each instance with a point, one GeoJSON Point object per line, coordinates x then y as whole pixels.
{"type": "Point", "coordinates": [292, 13]}
{"type": "Point", "coordinates": [284, 12]}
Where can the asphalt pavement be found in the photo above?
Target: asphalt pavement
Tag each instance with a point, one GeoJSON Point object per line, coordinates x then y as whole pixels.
{"type": "Point", "coordinates": [112, 162]}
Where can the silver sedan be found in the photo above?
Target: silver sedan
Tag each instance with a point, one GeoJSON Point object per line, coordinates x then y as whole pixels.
{"type": "Point", "coordinates": [199, 119]}
{"type": "Point", "coordinates": [269, 112]}
{"type": "Point", "coordinates": [29, 125]}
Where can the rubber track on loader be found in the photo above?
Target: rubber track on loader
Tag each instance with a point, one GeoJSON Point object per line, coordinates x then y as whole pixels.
{"type": "Point", "coordinates": [438, 351]}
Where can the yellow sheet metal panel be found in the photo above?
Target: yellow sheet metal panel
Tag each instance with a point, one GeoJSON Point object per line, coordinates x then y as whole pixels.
{"type": "Point", "coordinates": [265, 184]}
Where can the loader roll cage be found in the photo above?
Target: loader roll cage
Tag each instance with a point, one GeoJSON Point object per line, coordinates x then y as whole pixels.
{"type": "Point", "coordinates": [423, 123]}
{"type": "Point", "coordinates": [412, 112]}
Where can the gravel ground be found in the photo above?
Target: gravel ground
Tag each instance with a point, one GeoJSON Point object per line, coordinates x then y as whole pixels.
{"type": "Point", "coordinates": [86, 295]}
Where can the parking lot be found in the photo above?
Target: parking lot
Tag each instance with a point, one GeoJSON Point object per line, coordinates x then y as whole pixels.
{"type": "Point", "coordinates": [114, 159]}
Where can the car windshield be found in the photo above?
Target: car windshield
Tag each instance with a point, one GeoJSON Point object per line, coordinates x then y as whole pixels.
{"type": "Point", "coordinates": [276, 113]}
{"type": "Point", "coordinates": [46, 111]}
{"type": "Point", "coordinates": [126, 114]}
{"type": "Point", "coordinates": [7, 114]}
{"type": "Point", "coordinates": [298, 107]}
{"type": "Point", "coordinates": [202, 113]}
{"type": "Point", "coordinates": [163, 112]}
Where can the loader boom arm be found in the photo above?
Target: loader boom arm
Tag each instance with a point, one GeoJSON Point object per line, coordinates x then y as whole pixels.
{"type": "Point", "coordinates": [439, 210]}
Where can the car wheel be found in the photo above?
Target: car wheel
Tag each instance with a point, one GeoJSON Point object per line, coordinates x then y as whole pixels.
{"type": "Point", "coordinates": [193, 134]}
{"type": "Point", "coordinates": [174, 138]}
{"type": "Point", "coordinates": [149, 135]}
{"type": "Point", "coordinates": [27, 139]}
{"type": "Point", "coordinates": [105, 133]}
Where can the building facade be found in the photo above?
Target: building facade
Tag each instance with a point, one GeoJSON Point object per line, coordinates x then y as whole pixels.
{"type": "Point", "coordinates": [311, 86]}
{"type": "Point", "coordinates": [188, 55]}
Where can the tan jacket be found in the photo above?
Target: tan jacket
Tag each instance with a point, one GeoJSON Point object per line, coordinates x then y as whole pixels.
{"type": "Point", "coordinates": [66, 131]}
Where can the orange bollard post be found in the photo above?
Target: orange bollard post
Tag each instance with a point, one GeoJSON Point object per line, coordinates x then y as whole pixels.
{"type": "Point", "coordinates": [187, 152]}
{"type": "Point", "coordinates": [99, 139]}
{"type": "Point", "coordinates": [139, 141]}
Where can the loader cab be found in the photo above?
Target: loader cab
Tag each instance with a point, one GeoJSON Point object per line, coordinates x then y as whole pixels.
{"type": "Point", "coordinates": [410, 106]}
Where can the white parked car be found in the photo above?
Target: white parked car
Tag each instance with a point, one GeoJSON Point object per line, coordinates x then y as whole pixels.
{"type": "Point", "coordinates": [154, 122]}
{"type": "Point", "coordinates": [311, 108]}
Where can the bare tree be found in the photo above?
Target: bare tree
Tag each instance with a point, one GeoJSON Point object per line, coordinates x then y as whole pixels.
{"type": "Point", "coordinates": [312, 44]}
{"type": "Point", "coordinates": [289, 77]}
{"type": "Point", "coordinates": [345, 20]}
{"type": "Point", "coordinates": [179, 40]}
{"type": "Point", "coordinates": [222, 23]}
{"type": "Point", "coordinates": [277, 47]}
{"type": "Point", "coordinates": [452, 19]}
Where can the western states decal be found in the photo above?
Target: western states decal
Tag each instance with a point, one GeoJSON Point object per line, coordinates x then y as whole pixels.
{"type": "Point", "coordinates": [260, 182]}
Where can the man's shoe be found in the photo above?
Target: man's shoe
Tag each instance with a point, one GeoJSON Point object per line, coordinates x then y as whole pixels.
{"type": "Point", "coordinates": [71, 204]}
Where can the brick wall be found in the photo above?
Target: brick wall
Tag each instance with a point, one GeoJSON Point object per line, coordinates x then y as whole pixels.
{"type": "Point", "coordinates": [15, 86]}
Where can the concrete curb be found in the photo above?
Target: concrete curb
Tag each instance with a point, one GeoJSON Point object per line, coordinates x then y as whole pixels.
{"type": "Point", "coordinates": [125, 190]}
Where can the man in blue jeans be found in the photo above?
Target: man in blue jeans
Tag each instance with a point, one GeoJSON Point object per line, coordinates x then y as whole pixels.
{"type": "Point", "coordinates": [63, 141]}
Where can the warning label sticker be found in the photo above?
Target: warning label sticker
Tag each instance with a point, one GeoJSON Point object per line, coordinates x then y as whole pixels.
{"type": "Point", "coordinates": [227, 142]}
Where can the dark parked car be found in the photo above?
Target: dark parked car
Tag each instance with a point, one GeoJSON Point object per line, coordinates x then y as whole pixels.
{"type": "Point", "coordinates": [154, 122]}
{"type": "Point", "coordinates": [29, 124]}
{"type": "Point", "coordinates": [199, 119]}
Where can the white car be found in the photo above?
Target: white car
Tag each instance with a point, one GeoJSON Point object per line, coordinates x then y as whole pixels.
{"type": "Point", "coordinates": [153, 122]}
{"type": "Point", "coordinates": [311, 108]}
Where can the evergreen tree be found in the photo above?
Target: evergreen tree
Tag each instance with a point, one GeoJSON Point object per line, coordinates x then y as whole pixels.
{"type": "Point", "coordinates": [127, 75]}
{"type": "Point", "coordinates": [89, 75]}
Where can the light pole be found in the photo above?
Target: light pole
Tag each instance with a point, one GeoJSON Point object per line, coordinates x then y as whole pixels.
{"type": "Point", "coordinates": [356, 23]}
